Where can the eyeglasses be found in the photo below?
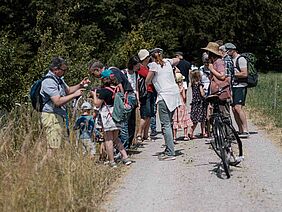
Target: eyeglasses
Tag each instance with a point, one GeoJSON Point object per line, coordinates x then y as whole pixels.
{"type": "Point", "coordinates": [63, 69]}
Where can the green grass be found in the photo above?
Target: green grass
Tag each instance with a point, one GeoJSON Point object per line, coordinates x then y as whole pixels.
{"type": "Point", "coordinates": [67, 182]}
{"type": "Point", "coordinates": [266, 97]}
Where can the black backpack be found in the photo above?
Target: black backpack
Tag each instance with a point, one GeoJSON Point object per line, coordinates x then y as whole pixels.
{"type": "Point", "coordinates": [35, 96]}
{"type": "Point", "coordinates": [252, 79]}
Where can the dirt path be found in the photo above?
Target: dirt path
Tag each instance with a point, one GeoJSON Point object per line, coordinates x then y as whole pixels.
{"type": "Point", "coordinates": [190, 183]}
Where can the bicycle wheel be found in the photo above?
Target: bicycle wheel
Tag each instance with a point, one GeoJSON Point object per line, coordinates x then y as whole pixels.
{"type": "Point", "coordinates": [235, 145]}
{"type": "Point", "coordinates": [214, 142]}
{"type": "Point", "coordinates": [223, 148]}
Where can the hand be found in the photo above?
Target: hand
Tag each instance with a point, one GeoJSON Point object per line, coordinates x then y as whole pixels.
{"type": "Point", "coordinates": [78, 92]}
{"type": "Point", "coordinates": [84, 82]}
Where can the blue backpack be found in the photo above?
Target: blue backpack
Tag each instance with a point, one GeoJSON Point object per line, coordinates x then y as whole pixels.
{"type": "Point", "coordinates": [35, 96]}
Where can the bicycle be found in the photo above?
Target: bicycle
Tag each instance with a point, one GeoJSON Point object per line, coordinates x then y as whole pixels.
{"type": "Point", "coordinates": [226, 143]}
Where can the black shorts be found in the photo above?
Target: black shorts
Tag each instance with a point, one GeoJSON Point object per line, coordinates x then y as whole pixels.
{"type": "Point", "coordinates": [147, 106]}
{"type": "Point", "coordinates": [239, 96]}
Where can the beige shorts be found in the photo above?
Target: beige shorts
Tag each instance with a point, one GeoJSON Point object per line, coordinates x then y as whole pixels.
{"type": "Point", "coordinates": [55, 129]}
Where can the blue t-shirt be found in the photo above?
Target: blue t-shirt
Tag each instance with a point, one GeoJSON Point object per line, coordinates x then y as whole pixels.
{"type": "Point", "coordinates": [49, 88]}
{"type": "Point", "coordinates": [85, 124]}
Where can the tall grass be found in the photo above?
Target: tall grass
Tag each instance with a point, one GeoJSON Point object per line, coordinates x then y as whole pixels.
{"type": "Point", "coordinates": [267, 97]}
{"type": "Point", "coordinates": [67, 182]}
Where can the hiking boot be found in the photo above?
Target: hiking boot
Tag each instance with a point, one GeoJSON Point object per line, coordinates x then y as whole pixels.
{"type": "Point", "coordinates": [244, 135]}
{"type": "Point", "coordinates": [165, 157]}
{"type": "Point", "coordinates": [126, 161]}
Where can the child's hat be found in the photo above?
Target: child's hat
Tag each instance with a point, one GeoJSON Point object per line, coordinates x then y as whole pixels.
{"type": "Point", "coordinates": [179, 77]}
{"type": "Point", "coordinates": [86, 106]}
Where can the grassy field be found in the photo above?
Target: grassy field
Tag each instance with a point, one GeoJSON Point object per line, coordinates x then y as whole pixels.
{"type": "Point", "coordinates": [68, 182]}
{"type": "Point", "coordinates": [264, 104]}
{"type": "Point", "coordinates": [267, 97]}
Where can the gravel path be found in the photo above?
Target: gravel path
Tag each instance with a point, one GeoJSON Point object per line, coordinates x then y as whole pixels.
{"type": "Point", "coordinates": [190, 183]}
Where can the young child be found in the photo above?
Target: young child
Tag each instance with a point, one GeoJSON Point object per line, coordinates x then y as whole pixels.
{"type": "Point", "coordinates": [180, 118]}
{"type": "Point", "coordinates": [198, 105]}
{"type": "Point", "coordinates": [85, 124]}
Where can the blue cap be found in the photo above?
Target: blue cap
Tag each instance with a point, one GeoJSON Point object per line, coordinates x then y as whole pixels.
{"type": "Point", "coordinates": [106, 73]}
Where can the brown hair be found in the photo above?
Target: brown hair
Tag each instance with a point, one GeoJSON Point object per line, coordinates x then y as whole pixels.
{"type": "Point", "coordinates": [158, 58]}
{"type": "Point", "coordinates": [195, 76]}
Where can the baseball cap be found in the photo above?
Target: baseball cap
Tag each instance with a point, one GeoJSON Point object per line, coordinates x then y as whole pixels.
{"type": "Point", "coordinates": [143, 53]}
{"type": "Point", "coordinates": [86, 106]}
{"type": "Point", "coordinates": [106, 73]}
{"type": "Point", "coordinates": [159, 50]}
{"type": "Point", "coordinates": [229, 46]}
{"type": "Point", "coordinates": [179, 53]}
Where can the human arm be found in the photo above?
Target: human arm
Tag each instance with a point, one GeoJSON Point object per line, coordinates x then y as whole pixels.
{"type": "Point", "coordinates": [96, 101]}
{"type": "Point", "coordinates": [218, 72]}
{"type": "Point", "coordinates": [149, 77]}
{"type": "Point", "coordinates": [202, 90]}
{"type": "Point", "coordinates": [175, 61]}
{"type": "Point", "coordinates": [74, 88]}
{"type": "Point", "coordinates": [243, 72]}
{"type": "Point", "coordinates": [59, 101]}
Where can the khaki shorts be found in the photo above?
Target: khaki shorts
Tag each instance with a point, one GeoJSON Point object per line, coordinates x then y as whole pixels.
{"type": "Point", "coordinates": [55, 129]}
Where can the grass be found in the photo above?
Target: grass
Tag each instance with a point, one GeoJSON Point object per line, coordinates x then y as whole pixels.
{"type": "Point", "coordinates": [67, 182]}
{"type": "Point", "coordinates": [264, 104]}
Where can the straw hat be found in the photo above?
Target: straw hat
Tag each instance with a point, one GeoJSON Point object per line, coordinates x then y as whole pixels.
{"type": "Point", "coordinates": [213, 47]}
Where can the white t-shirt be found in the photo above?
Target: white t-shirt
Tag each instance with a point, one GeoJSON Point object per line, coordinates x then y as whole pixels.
{"type": "Point", "coordinates": [165, 84]}
{"type": "Point", "coordinates": [132, 80]}
{"type": "Point", "coordinates": [242, 64]}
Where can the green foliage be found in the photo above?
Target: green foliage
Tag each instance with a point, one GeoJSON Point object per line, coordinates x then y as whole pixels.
{"type": "Point", "coordinates": [112, 31]}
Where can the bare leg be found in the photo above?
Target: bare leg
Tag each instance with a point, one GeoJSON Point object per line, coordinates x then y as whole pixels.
{"type": "Point", "coordinates": [146, 128]}
{"type": "Point", "coordinates": [109, 145]}
{"type": "Point", "coordinates": [236, 109]}
{"type": "Point", "coordinates": [174, 133]}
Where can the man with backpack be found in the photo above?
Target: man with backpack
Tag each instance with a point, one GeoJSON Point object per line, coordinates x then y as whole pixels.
{"type": "Point", "coordinates": [239, 89]}
{"type": "Point", "coordinates": [55, 95]}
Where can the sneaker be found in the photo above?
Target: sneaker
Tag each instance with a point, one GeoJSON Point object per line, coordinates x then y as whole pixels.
{"type": "Point", "coordinates": [166, 157]}
{"type": "Point", "coordinates": [126, 161]}
{"type": "Point", "coordinates": [113, 164]}
{"type": "Point", "coordinates": [244, 135]}
{"type": "Point", "coordinates": [153, 133]}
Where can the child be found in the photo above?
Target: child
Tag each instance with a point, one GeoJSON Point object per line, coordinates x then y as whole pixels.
{"type": "Point", "coordinates": [85, 124]}
{"type": "Point", "coordinates": [180, 117]}
{"type": "Point", "coordinates": [198, 105]}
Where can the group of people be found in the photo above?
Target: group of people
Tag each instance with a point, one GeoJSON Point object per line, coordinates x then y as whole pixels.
{"type": "Point", "coordinates": [150, 83]}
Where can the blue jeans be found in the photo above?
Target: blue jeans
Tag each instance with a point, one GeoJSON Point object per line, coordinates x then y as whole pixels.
{"type": "Point", "coordinates": [128, 127]}
{"type": "Point", "coordinates": [166, 122]}
{"type": "Point", "coordinates": [153, 124]}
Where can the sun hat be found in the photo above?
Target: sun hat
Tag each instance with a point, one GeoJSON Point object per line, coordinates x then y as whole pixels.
{"type": "Point", "coordinates": [179, 77]}
{"type": "Point", "coordinates": [86, 106]}
{"type": "Point", "coordinates": [229, 46]}
{"type": "Point", "coordinates": [106, 73]}
{"type": "Point", "coordinates": [212, 47]}
{"type": "Point", "coordinates": [143, 54]}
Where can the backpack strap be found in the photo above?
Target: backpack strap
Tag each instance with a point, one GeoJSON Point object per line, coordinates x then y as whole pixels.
{"type": "Point", "coordinates": [237, 63]}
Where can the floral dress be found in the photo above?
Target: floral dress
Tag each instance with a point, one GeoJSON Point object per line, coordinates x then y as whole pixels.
{"type": "Point", "coordinates": [199, 105]}
{"type": "Point", "coordinates": [181, 117]}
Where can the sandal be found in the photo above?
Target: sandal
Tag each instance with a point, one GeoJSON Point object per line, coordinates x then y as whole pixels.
{"type": "Point", "coordinates": [205, 135]}
{"type": "Point", "coordinates": [192, 137]}
{"type": "Point", "coordinates": [186, 138]}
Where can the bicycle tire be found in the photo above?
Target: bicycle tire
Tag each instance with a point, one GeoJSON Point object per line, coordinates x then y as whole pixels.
{"type": "Point", "coordinates": [236, 147]}
{"type": "Point", "coordinates": [214, 142]}
{"type": "Point", "coordinates": [223, 148]}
